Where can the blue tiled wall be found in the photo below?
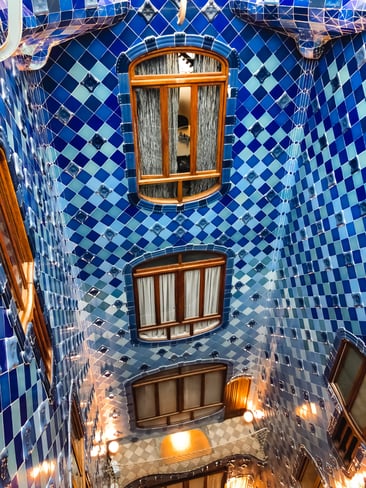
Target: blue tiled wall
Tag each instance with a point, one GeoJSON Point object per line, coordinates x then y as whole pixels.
{"type": "Point", "coordinates": [293, 218]}
{"type": "Point", "coordinates": [33, 417]}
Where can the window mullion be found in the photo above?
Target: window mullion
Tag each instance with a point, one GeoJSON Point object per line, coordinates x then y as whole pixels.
{"type": "Point", "coordinates": [203, 386]}
{"type": "Point", "coordinates": [221, 125]}
{"type": "Point", "coordinates": [165, 133]}
{"type": "Point", "coordinates": [157, 299]}
{"type": "Point", "coordinates": [179, 296]}
{"type": "Point", "coordinates": [202, 291]}
{"type": "Point", "coordinates": [180, 394]}
{"type": "Point", "coordinates": [157, 400]}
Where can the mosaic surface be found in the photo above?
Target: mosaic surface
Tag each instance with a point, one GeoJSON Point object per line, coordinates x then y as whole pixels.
{"type": "Point", "coordinates": [293, 219]}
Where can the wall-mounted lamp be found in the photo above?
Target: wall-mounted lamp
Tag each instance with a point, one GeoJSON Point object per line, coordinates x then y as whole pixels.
{"type": "Point", "coordinates": [182, 446]}
{"type": "Point", "coordinates": [248, 416]}
{"type": "Point", "coordinates": [113, 447]}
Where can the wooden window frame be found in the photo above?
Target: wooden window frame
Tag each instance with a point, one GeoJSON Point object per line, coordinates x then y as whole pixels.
{"type": "Point", "coordinates": [17, 258]}
{"type": "Point", "coordinates": [236, 396]}
{"type": "Point", "coordinates": [163, 82]}
{"type": "Point", "coordinates": [77, 447]}
{"type": "Point", "coordinates": [178, 374]}
{"type": "Point", "coordinates": [346, 434]}
{"type": "Point", "coordinates": [206, 480]}
{"type": "Point", "coordinates": [15, 250]}
{"type": "Point", "coordinates": [305, 463]}
{"type": "Point", "coordinates": [178, 269]}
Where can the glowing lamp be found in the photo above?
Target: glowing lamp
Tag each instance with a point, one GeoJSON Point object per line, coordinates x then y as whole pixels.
{"type": "Point", "coordinates": [113, 447]}
{"type": "Point", "coordinates": [248, 416]}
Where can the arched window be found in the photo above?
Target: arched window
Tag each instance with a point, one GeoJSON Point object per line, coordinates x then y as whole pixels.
{"type": "Point", "coordinates": [179, 395]}
{"type": "Point", "coordinates": [178, 98]}
{"type": "Point", "coordinates": [17, 260]}
{"type": "Point", "coordinates": [15, 251]}
{"type": "Point", "coordinates": [179, 295]}
{"type": "Point", "coordinates": [307, 473]}
{"type": "Point", "coordinates": [79, 476]}
{"type": "Point", "coordinates": [348, 380]}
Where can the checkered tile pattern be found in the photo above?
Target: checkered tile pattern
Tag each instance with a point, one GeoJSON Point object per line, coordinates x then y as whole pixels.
{"type": "Point", "coordinates": [292, 218]}
{"type": "Point", "coordinates": [311, 23]}
{"type": "Point", "coordinates": [226, 438]}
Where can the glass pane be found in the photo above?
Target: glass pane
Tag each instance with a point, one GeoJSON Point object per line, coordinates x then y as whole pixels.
{"type": "Point", "coordinates": [358, 410]}
{"type": "Point", "coordinates": [309, 476]}
{"type": "Point", "coordinates": [180, 417]}
{"type": "Point", "coordinates": [146, 298]}
{"type": "Point", "coordinates": [197, 483]}
{"type": "Point", "coordinates": [205, 326]}
{"type": "Point", "coordinates": [167, 297]}
{"type": "Point", "coordinates": [153, 66]}
{"type": "Point", "coordinates": [192, 391]}
{"type": "Point", "coordinates": [205, 64]}
{"type": "Point", "coordinates": [167, 396]}
{"type": "Point", "coordinates": [153, 335]}
{"type": "Point", "coordinates": [184, 130]}
{"type": "Point", "coordinates": [214, 385]}
{"type": "Point", "coordinates": [191, 293]}
{"type": "Point", "coordinates": [348, 372]}
{"type": "Point", "coordinates": [173, 122]}
{"type": "Point", "coordinates": [198, 186]}
{"type": "Point", "coordinates": [205, 412]}
{"type": "Point", "coordinates": [149, 130]}
{"type": "Point", "coordinates": [199, 256]}
{"type": "Point", "coordinates": [161, 422]}
{"type": "Point", "coordinates": [182, 62]}
{"type": "Point", "coordinates": [162, 261]}
{"type": "Point", "coordinates": [160, 190]}
{"type": "Point", "coordinates": [207, 127]}
{"type": "Point", "coordinates": [215, 480]}
{"type": "Point", "coordinates": [145, 401]}
{"type": "Point", "coordinates": [212, 288]}
{"type": "Point", "coordinates": [179, 331]}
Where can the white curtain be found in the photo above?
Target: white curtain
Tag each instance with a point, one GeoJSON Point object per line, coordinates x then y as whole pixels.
{"type": "Point", "coordinates": [167, 297]}
{"type": "Point", "coordinates": [147, 312]}
{"type": "Point", "coordinates": [149, 124]}
{"type": "Point", "coordinates": [146, 293]}
{"type": "Point", "coordinates": [240, 482]}
{"type": "Point", "coordinates": [191, 293]}
{"type": "Point", "coordinates": [211, 299]}
{"type": "Point", "coordinates": [212, 286]}
{"type": "Point", "coordinates": [207, 122]}
{"type": "Point", "coordinates": [168, 310]}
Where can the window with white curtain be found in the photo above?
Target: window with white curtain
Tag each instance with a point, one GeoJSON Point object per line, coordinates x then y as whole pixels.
{"type": "Point", "coordinates": [179, 295]}
{"type": "Point", "coordinates": [179, 395]}
{"type": "Point", "coordinates": [178, 99]}
{"type": "Point", "coordinates": [212, 480]}
{"type": "Point", "coordinates": [348, 379]}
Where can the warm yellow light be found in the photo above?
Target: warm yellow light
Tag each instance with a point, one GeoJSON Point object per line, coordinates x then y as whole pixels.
{"type": "Point", "coordinates": [248, 416]}
{"type": "Point", "coordinates": [184, 445]}
{"type": "Point", "coordinates": [258, 414]}
{"type": "Point", "coordinates": [358, 481]}
{"type": "Point", "coordinates": [94, 452]}
{"type": "Point", "coordinates": [181, 441]}
{"type": "Point", "coordinates": [238, 482]}
{"type": "Point", "coordinates": [113, 447]}
{"type": "Point", "coordinates": [47, 467]}
{"type": "Point", "coordinates": [35, 472]}
{"type": "Point", "coordinates": [306, 410]}
{"type": "Point", "coordinates": [313, 408]}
